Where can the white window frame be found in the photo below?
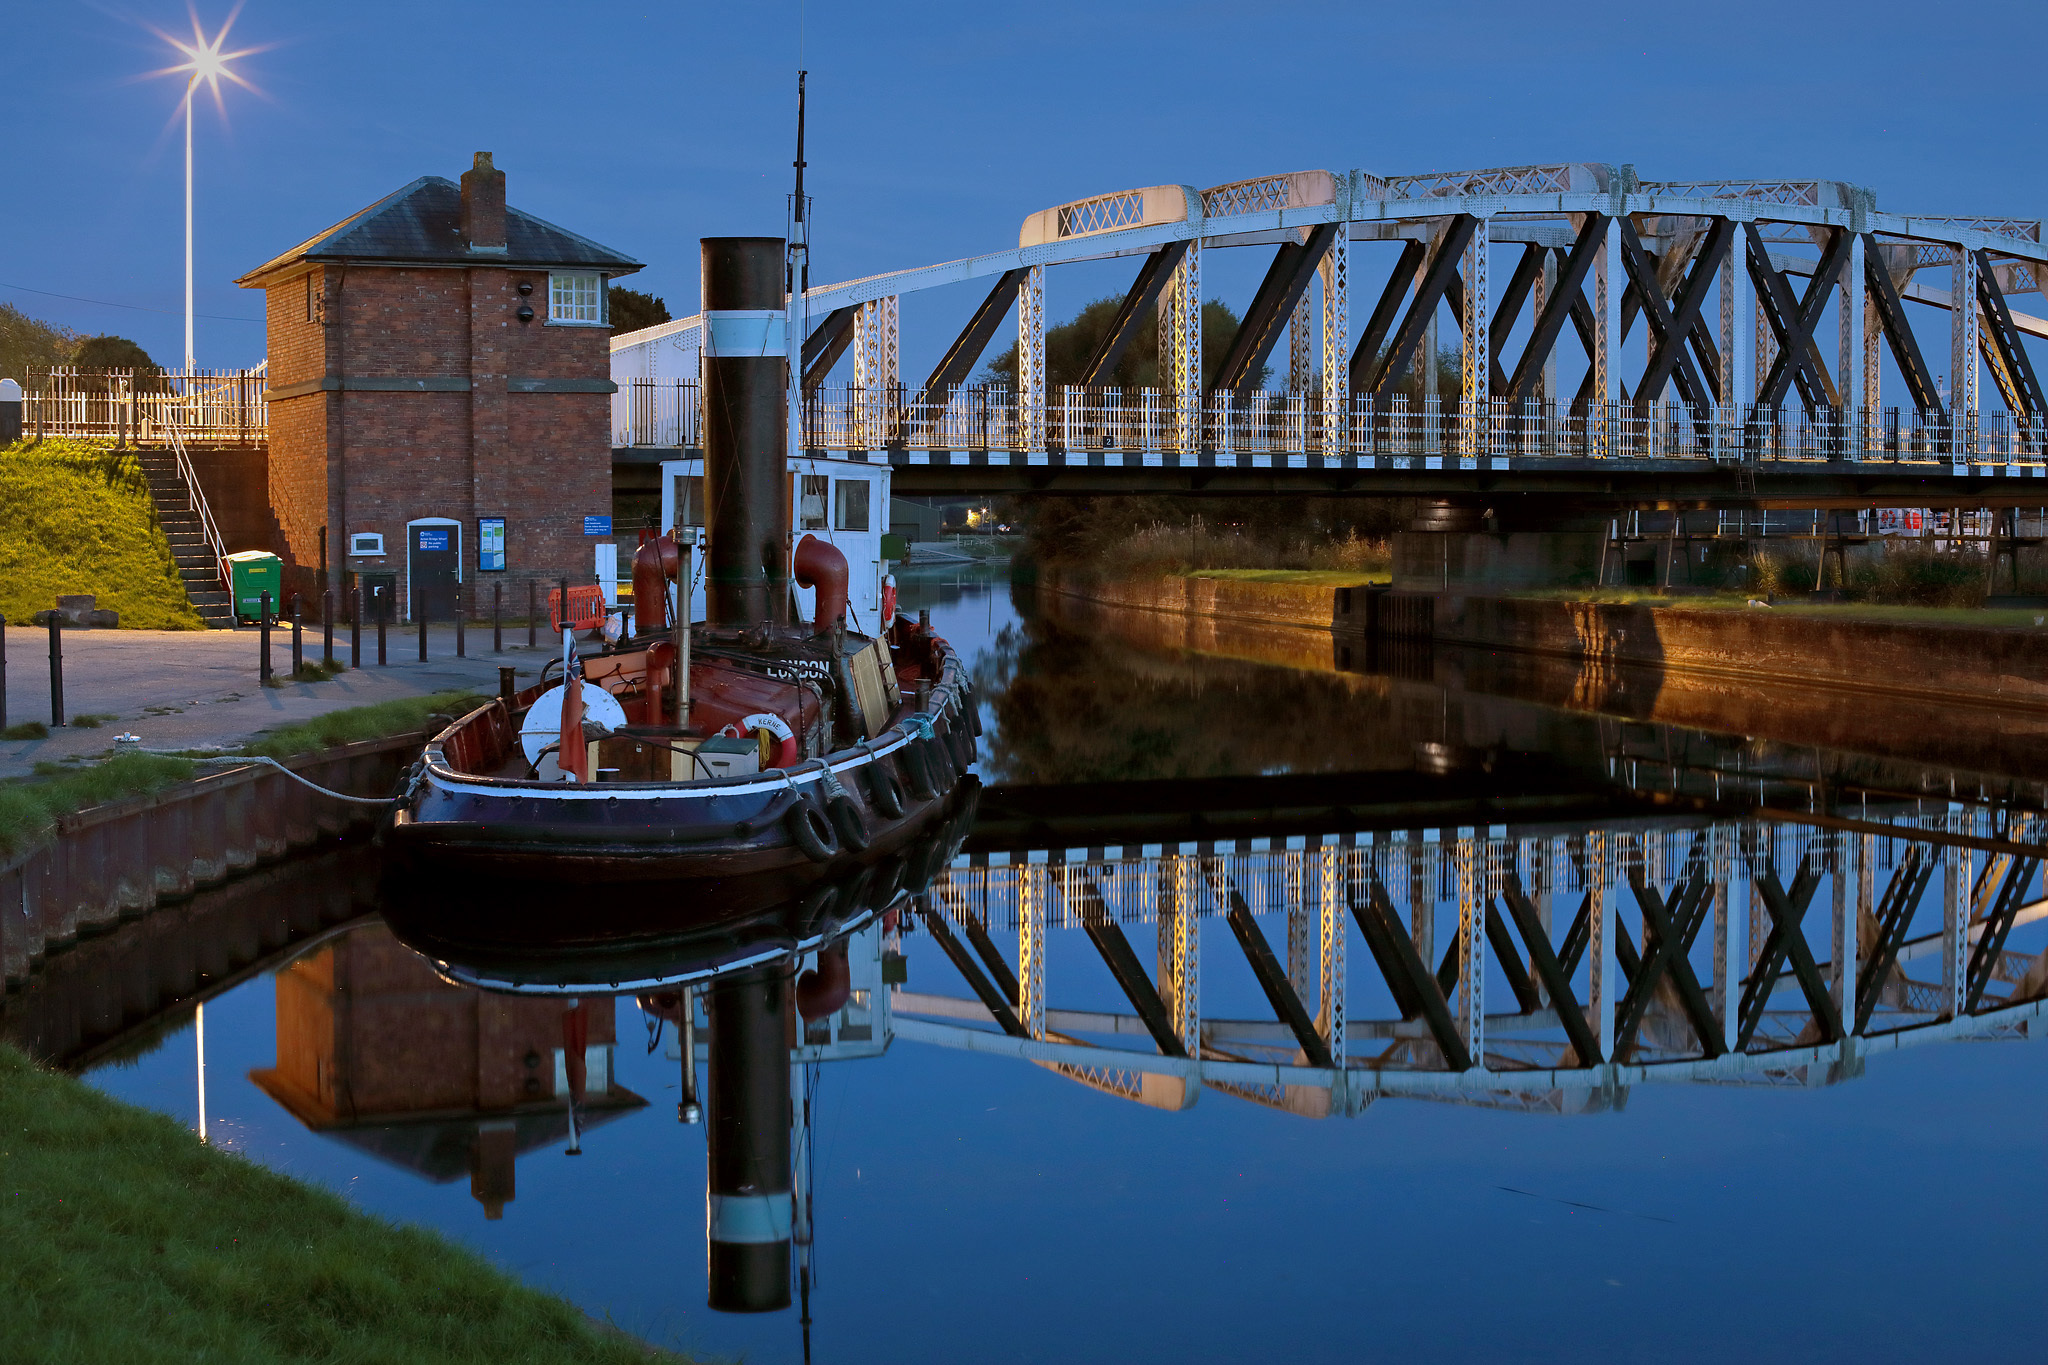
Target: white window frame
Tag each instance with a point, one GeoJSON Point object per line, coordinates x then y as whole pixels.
{"type": "Point", "coordinates": [603, 318]}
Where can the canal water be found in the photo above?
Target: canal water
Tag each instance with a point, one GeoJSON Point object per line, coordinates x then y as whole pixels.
{"type": "Point", "coordinates": [970, 1206]}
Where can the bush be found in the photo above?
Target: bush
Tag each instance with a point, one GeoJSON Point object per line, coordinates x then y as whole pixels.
{"type": "Point", "coordinates": [1920, 577]}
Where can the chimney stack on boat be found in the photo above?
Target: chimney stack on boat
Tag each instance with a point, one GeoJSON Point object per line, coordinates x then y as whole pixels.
{"type": "Point", "coordinates": [746, 422]}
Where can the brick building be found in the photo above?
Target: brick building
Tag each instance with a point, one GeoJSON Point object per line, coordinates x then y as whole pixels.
{"type": "Point", "coordinates": [440, 416]}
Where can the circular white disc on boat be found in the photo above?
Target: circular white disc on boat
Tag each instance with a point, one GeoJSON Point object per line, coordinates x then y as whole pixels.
{"type": "Point", "coordinates": [543, 723]}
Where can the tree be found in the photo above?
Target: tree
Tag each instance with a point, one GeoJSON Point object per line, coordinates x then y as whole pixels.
{"type": "Point", "coordinates": [113, 353]}
{"type": "Point", "coordinates": [633, 310]}
{"type": "Point", "coordinates": [27, 343]}
{"type": "Point", "coordinates": [1069, 346]}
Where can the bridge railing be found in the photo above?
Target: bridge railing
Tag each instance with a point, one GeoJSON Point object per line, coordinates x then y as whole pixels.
{"type": "Point", "coordinates": [1286, 426]}
{"type": "Point", "coordinates": [140, 405]}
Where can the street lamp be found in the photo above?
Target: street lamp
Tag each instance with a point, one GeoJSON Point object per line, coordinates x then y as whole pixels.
{"type": "Point", "coordinates": [204, 61]}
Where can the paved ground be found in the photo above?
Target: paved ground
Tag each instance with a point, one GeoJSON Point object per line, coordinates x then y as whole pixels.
{"type": "Point", "coordinates": [194, 689]}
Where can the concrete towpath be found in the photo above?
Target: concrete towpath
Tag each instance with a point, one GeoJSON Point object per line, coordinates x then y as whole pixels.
{"type": "Point", "coordinates": [200, 689]}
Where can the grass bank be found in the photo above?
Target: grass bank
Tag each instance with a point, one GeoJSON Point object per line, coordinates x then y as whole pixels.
{"type": "Point", "coordinates": [31, 806]}
{"type": "Point", "coordinates": [129, 1241]}
{"type": "Point", "coordinates": [77, 518]}
{"type": "Point", "coordinates": [1315, 578]}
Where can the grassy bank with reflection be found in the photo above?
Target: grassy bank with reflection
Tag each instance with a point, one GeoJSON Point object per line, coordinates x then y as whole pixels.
{"type": "Point", "coordinates": [128, 1240]}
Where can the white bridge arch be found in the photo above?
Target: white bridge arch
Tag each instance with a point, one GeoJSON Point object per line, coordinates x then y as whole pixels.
{"type": "Point", "coordinates": [1769, 310]}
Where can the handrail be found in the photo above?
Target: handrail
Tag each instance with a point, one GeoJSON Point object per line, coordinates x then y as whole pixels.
{"type": "Point", "coordinates": [197, 497]}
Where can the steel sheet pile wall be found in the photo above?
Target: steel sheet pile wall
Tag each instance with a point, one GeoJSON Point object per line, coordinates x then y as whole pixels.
{"type": "Point", "coordinates": [114, 862]}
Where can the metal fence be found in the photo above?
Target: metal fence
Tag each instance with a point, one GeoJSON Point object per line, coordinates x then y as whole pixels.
{"type": "Point", "coordinates": [140, 406]}
{"type": "Point", "coordinates": [1075, 421]}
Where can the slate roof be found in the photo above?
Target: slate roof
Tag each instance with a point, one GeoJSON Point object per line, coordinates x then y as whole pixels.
{"type": "Point", "coordinates": [422, 225]}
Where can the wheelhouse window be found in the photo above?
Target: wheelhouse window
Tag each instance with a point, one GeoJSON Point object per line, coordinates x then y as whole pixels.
{"type": "Point", "coordinates": [811, 502]}
{"type": "Point", "coordinates": [689, 499]}
{"type": "Point", "coordinates": [850, 505]}
{"type": "Point", "coordinates": [576, 298]}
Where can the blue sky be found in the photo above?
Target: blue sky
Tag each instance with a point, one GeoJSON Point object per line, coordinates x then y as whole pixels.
{"type": "Point", "coordinates": [936, 129]}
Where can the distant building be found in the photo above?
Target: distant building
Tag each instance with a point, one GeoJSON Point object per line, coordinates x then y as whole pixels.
{"type": "Point", "coordinates": [440, 396]}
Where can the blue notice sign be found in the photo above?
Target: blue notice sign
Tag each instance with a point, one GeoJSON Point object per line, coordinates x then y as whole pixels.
{"type": "Point", "coordinates": [432, 539]}
{"type": "Point", "coordinates": [597, 526]}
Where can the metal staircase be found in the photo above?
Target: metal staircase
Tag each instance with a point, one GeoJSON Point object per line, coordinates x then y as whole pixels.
{"type": "Point", "coordinates": [188, 524]}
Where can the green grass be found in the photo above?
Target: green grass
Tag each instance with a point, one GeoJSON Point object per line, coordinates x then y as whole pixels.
{"type": "Point", "coordinates": [357, 723]}
{"type": "Point", "coordinates": [77, 518]}
{"type": "Point", "coordinates": [27, 729]}
{"type": "Point", "coordinates": [92, 720]}
{"type": "Point", "coordinates": [29, 808]}
{"type": "Point", "coordinates": [1319, 578]}
{"type": "Point", "coordinates": [129, 1241]}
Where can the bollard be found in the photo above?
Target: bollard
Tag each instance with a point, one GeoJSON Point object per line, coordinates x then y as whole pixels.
{"type": "Point", "coordinates": [497, 618]}
{"type": "Point", "coordinates": [562, 612]}
{"type": "Point", "coordinates": [507, 688]}
{"type": "Point", "coordinates": [327, 628]}
{"type": "Point", "coordinates": [355, 628]}
{"type": "Point", "coordinates": [383, 623]}
{"type": "Point", "coordinates": [419, 616]}
{"type": "Point", "coordinates": [3, 670]}
{"type": "Point", "coordinates": [263, 637]}
{"type": "Point", "coordinates": [56, 669]}
{"type": "Point", "coordinates": [298, 642]}
{"type": "Point", "coordinates": [532, 617]}
{"type": "Point", "coordinates": [460, 651]}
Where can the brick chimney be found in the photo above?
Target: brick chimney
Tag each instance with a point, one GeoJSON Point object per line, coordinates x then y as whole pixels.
{"type": "Point", "coordinates": [483, 207]}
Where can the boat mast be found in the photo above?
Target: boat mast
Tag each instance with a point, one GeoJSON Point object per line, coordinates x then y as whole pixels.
{"type": "Point", "coordinates": [797, 282]}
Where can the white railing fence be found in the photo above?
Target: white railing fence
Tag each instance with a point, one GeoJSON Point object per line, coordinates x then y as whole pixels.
{"type": "Point", "coordinates": [1077, 422]}
{"type": "Point", "coordinates": [141, 406]}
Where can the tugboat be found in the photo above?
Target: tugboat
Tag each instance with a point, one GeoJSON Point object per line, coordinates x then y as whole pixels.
{"type": "Point", "coordinates": [747, 746]}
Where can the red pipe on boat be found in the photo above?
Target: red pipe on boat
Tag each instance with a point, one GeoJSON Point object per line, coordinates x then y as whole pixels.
{"type": "Point", "coordinates": [655, 565]}
{"type": "Point", "coordinates": [820, 565]}
{"type": "Point", "coordinates": [820, 992]}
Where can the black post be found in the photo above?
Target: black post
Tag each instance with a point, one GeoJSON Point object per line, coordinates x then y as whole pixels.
{"type": "Point", "coordinates": [56, 669]}
{"type": "Point", "coordinates": [355, 627]}
{"type": "Point", "coordinates": [298, 640]}
{"type": "Point", "coordinates": [263, 637]}
{"type": "Point", "coordinates": [507, 688]}
{"type": "Point", "coordinates": [497, 618]}
{"type": "Point", "coordinates": [532, 610]}
{"type": "Point", "coordinates": [562, 616]}
{"type": "Point", "coordinates": [383, 624]}
{"type": "Point", "coordinates": [3, 670]}
{"type": "Point", "coordinates": [461, 651]}
{"type": "Point", "coordinates": [327, 628]}
{"type": "Point", "coordinates": [419, 619]}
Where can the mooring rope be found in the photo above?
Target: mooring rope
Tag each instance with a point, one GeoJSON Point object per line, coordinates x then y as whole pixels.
{"type": "Point", "coordinates": [324, 791]}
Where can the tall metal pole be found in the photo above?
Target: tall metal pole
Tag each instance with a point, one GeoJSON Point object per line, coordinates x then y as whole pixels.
{"type": "Point", "coordinates": [190, 86]}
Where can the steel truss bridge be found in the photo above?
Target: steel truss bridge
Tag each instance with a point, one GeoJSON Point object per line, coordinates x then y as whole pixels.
{"type": "Point", "coordinates": [1570, 966]}
{"type": "Point", "coordinates": [1742, 388]}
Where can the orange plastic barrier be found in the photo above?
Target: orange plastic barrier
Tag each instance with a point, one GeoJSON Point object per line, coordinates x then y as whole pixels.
{"type": "Point", "coordinates": [586, 608]}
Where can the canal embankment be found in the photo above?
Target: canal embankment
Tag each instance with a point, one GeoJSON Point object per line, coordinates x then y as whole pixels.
{"type": "Point", "coordinates": [1895, 651]}
{"type": "Point", "coordinates": [1803, 675]}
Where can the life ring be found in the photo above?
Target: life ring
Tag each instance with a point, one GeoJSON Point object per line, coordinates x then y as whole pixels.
{"type": "Point", "coordinates": [812, 832]}
{"type": "Point", "coordinates": [846, 818]}
{"type": "Point", "coordinates": [884, 790]}
{"type": "Point", "coordinates": [785, 739]}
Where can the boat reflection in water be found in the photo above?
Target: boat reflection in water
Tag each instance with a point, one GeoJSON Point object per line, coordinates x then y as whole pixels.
{"type": "Point", "coordinates": [726, 955]}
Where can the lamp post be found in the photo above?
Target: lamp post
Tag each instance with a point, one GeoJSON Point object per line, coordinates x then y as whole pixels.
{"type": "Point", "coordinates": [204, 61]}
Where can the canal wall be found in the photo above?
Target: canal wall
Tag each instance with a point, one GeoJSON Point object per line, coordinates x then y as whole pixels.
{"type": "Point", "coordinates": [111, 863]}
{"type": "Point", "coordinates": [1978, 665]}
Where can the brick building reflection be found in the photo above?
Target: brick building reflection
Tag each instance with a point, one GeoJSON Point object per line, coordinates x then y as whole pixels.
{"type": "Point", "coordinates": [441, 1080]}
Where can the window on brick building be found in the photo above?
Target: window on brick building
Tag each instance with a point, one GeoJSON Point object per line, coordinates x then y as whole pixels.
{"type": "Point", "coordinates": [812, 503]}
{"type": "Point", "coordinates": [850, 505]}
{"type": "Point", "coordinates": [312, 296]}
{"type": "Point", "coordinates": [576, 297]}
